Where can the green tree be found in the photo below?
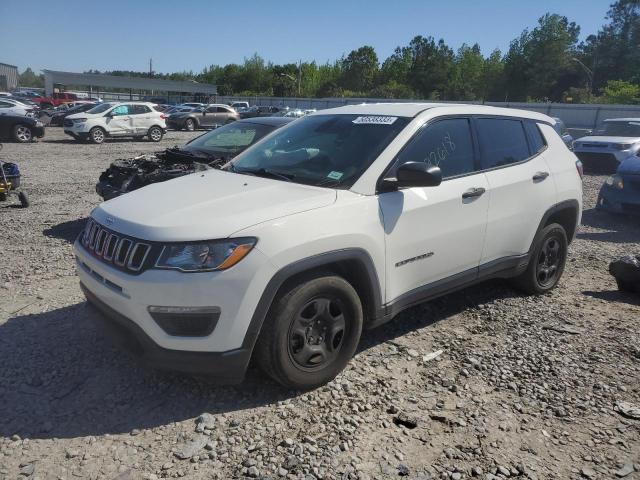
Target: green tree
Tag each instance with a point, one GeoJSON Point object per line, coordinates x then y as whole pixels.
{"type": "Point", "coordinates": [29, 79]}
{"type": "Point", "coordinates": [540, 63]}
{"type": "Point", "coordinates": [619, 91]}
{"type": "Point", "coordinates": [431, 67]}
{"type": "Point", "coordinates": [467, 74]}
{"type": "Point", "coordinates": [360, 69]}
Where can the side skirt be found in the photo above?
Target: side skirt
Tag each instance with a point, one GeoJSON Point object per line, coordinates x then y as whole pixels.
{"type": "Point", "coordinates": [502, 268]}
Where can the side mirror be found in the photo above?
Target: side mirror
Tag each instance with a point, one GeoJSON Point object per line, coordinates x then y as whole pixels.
{"type": "Point", "coordinates": [413, 174]}
{"type": "Point", "coordinates": [418, 174]}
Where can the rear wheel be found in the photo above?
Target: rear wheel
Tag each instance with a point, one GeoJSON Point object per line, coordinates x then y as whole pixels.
{"type": "Point", "coordinates": [190, 125]}
{"type": "Point", "coordinates": [22, 133]}
{"type": "Point", "coordinates": [311, 332]}
{"type": "Point", "coordinates": [24, 199]}
{"type": "Point", "coordinates": [97, 135]}
{"type": "Point", "coordinates": [155, 134]}
{"type": "Point", "coordinates": [547, 261]}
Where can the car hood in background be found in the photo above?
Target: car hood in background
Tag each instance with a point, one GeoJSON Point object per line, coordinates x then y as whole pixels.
{"type": "Point", "coordinates": [630, 166]}
{"type": "Point", "coordinates": [207, 205]}
{"type": "Point", "coordinates": [605, 139]}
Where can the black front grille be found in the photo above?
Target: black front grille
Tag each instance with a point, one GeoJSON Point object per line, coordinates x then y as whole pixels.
{"type": "Point", "coordinates": [119, 251]}
{"type": "Point", "coordinates": [603, 163]}
{"type": "Point", "coordinates": [68, 123]}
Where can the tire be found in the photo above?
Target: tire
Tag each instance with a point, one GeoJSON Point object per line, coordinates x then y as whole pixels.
{"type": "Point", "coordinates": [24, 199]}
{"type": "Point", "coordinates": [547, 261]}
{"type": "Point", "coordinates": [155, 134]}
{"type": "Point", "coordinates": [22, 133]}
{"type": "Point", "coordinates": [294, 347]}
{"type": "Point", "coordinates": [97, 135]}
{"type": "Point", "coordinates": [190, 125]}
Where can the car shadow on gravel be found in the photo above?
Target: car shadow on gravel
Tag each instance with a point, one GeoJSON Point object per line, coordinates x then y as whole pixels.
{"type": "Point", "coordinates": [429, 313]}
{"type": "Point", "coordinates": [615, 296]}
{"type": "Point", "coordinates": [619, 228]}
{"type": "Point", "coordinates": [68, 231]}
{"type": "Point", "coordinates": [62, 377]}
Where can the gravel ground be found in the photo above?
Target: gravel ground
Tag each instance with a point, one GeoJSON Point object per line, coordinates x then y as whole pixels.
{"type": "Point", "coordinates": [525, 387]}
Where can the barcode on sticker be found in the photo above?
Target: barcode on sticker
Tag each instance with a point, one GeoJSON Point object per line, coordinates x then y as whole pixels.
{"type": "Point", "coordinates": [375, 120]}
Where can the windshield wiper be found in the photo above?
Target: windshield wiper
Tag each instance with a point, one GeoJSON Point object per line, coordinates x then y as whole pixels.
{"type": "Point", "coordinates": [264, 172]}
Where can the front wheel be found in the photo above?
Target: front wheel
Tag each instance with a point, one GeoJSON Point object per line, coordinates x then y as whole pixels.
{"type": "Point", "coordinates": [190, 125]}
{"type": "Point", "coordinates": [97, 135]}
{"type": "Point", "coordinates": [155, 134]}
{"type": "Point", "coordinates": [22, 133]}
{"type": "Point", "coordinates": [311, 332]}
{"type": "Point", "coordinates": [547, 261]}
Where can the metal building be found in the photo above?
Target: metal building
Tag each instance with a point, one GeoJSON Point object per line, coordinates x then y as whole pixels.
{"type": "Point", "coordinates": [8, 77]}
{"type": "Point", "coordinates": [96, 82]}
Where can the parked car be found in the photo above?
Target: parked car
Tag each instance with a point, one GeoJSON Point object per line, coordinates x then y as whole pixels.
{"type": "Point", "coordinates": [259, 111]}
{"type": "Point", "coordinates": [57, 118]}
{"type": "Point", "coordinates": [211, 150]}
{"type": "Point", "coordinates": [58, 98]}
{"type": "Point", "coordinates": [334, 223]}
{"type": "Point", "coordinates": [192, 104]}
{"type": "Point", "coordinates": [123, 119]}
{"type": "Point", "coordinates": [620, 193]}
{"type": "Point", "coordinates": [26, 94]}
{"type": "Point", "coordinates": [608, 145]}
{"type": "Point", "coordinates": [10, 107]}
{"type": "Point", "coordinates": [561, 128]}
{"type": "Point", "coordinates": [209, 116]}
{"type": "Point", "coordinates": [239, 106]}
{"type": "Point", "coordinates": [5, 94]}
{"type": "Point", "coordinates": [20, 128]}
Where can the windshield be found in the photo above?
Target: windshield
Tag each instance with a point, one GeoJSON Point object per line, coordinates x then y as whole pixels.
{"type": "Point", "coordinates": [322, 150]}
{"type": "Point", "coordinates": [230, 139]}
{"type": "Point", "coordinates": [619, 129]}
{"type": "Point", "coordinates": [103, 107]}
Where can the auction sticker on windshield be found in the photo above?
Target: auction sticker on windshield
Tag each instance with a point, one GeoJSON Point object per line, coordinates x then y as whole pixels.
{"type": "Point", "coordinates": [375, 120]}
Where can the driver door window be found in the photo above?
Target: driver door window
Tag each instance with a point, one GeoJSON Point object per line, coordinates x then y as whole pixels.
{"type": "Point", "coordinates": [446, 144]}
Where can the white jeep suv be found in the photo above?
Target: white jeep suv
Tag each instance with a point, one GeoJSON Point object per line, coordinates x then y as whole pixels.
{"type": "Point", "coordinates": [334, 223]}
{"type": "Point", "coordinates": [124, 119]}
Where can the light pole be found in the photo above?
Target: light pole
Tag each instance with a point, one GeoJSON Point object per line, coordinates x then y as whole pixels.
{"type": "Point", "coordinates": [589, 73]}
{"type": "Point", "coordinates": [292, 79]}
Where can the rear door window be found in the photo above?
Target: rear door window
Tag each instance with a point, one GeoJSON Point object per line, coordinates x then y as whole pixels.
{"type": "Point", "coordinates": [502, 142]}
{"type": "Point", "coordinates": [446, 144]}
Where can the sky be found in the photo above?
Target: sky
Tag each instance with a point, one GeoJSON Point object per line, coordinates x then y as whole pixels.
{"type": "Point", "coordinates": [187, 35]}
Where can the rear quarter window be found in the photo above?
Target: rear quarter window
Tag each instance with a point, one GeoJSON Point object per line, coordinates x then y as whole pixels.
{"type": "Point", "coordinates": [536, 139]}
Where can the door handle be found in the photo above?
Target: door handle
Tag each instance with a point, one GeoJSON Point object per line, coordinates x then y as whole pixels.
{"type": "Point", "coordinates": [539, 176]}
{"type": "Point", "coordinates": [473, 192]}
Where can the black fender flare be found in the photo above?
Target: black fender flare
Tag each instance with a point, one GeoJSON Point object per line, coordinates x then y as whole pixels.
{"type": "Point", "coordinates": [566, 204]}
{"type": "Point", "coordinates": [308, 264]}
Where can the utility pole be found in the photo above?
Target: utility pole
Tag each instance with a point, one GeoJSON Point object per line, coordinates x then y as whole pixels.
{"type": "Point", "coordinates": [299, 76]}
{"type": "Point", "coordinates": [150, 67]}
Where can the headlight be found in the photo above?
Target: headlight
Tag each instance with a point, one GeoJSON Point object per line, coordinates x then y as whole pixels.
{"type": "Point", "coordinates": [205, 256]}
{"type": "Point", "coordinates": [79, 120]}
{"type": "Point", "coordinates": [615, 181]}
{"type": "Point", "coordinates": [622, 146]}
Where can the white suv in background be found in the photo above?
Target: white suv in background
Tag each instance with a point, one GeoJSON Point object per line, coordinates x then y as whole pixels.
{"type": "Point", "coordinates": [331, 224]}
{"type": "Point", "coordinates": [125, 119]}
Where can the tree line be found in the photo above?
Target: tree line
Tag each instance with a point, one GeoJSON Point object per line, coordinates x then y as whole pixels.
{"type": "Point", "coordinates": [545, 63]}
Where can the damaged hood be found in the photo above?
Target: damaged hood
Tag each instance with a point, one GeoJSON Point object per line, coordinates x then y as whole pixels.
{"type": "Point", "coordinates": [207, 205]}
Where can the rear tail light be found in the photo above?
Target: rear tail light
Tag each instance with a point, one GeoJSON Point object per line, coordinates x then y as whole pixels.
{"type": "Point", "coordinates": [163, 116]}
{"type": "Point", "coordinates": [580, 168]}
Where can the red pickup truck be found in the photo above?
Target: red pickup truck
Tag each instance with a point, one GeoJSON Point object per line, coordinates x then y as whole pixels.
{"type": "Point", "coordinates": [58, 98]}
